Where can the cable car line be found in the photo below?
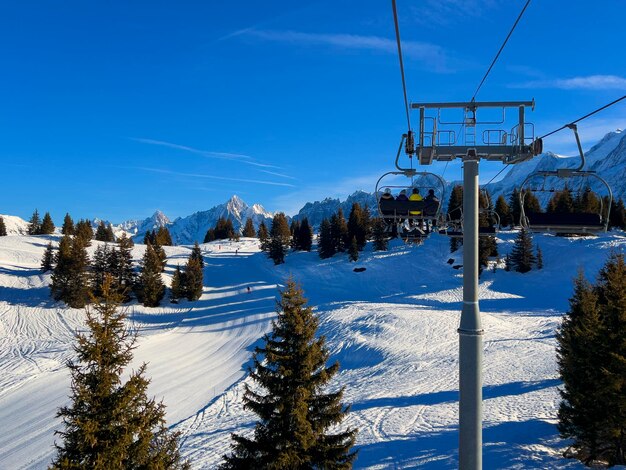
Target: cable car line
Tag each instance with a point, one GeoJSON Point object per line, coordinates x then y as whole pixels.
{"type": "Point", "coordinates": [406, 100]}
{"type": "Point", "coordinates": [584, 117]}
{"type": "Point", "coordinates": [501, 48]}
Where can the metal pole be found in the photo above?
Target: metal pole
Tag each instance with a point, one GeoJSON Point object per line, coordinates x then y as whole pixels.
{"type": "Point", "coordinates": [470, 329]}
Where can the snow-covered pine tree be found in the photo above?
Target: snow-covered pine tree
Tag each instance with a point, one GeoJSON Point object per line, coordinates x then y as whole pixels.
{"type": "Point", "coordinates": [47, 225]}
{"type": "Point", "coordinates": [111, 424]}
{"type": "Point", "coordinates": [294, 414]}
{"type": "Point", "coordinates": [522, 256]}
{"type": "Point", "coordinates": [68, 225]}
{"type": "Point", "coordinates": [48, 259]}
{"type": "Point", "coordinates": [34, 224]}
{"type": "Point", "coordinates": [248, 229]}
{"type": "Point", "coordinates": [150, 288]}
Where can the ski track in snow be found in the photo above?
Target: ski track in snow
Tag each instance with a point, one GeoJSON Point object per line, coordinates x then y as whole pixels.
{"type": "Point", "coordinates": [392, 327]}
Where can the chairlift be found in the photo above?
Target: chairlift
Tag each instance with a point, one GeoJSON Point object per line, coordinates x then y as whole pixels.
{"type": "Point", "coordinates": [454, 225]}
{"type": "Point", "coordinates": [567, 223]}
{"type": "Point", "coordinates": [417, 214]}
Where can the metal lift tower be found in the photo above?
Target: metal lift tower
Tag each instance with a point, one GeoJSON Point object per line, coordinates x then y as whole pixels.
{"type": "Point", "coordinates": [437, 139]}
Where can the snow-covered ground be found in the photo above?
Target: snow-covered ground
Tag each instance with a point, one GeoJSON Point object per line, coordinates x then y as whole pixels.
{"type": "Point", "coordinates": [392, 327]}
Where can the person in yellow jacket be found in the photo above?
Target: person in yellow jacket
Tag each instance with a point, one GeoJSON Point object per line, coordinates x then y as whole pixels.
{"type": "Point", "coordinates": [416, 196]}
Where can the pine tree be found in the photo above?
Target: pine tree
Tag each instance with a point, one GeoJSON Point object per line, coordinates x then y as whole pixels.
{"type": "Point", "coordinates": [248, 229]}
{"type": "Point", "coordinates": [47, 225]}
{"type": "Point", "coordinates": [503, 211]}
{"type": "Point", "coordinates": [84, 231]}
{"type": "Point", "coordinates": [3, 228]}
{"type": "Point", "coordinates": [210, 236]}
{"type": "Point", "coordinates": [617, 216]}
{"type": "Point", "coordinates": [507, 263]}
{"type": "Point", "coordinates": [68, 225]}
{"type": "Point", "coordinates": [306, 235]}
{"type": "Point", "coordinates": [279, 238]}
{"type": "Point", "coordinates": [531, 203]}
{"type": "Point", "coordinates": [325, 244]}
{"type": "Point", "coordinates": [580, 353]}
{"type": "Point", "coordinates": [111, 424]}
{"type": "Point", "coordinates": [163, 237]}
{"type": "Point", "coordinates": [101, 232]}
{"type": "Point", "coordinates": [539, 258]}
{"type": "Point", "coordinates": [193, 279]}
{"type": "Point", "coordinates": [611, 290]}
{"type": "Point", "coordinates": [294, 413]}
{"type": "Point", "coordinates": [515, 207]}
{"type": "Point", "coordinates": [339, 232]}
{"type": "Point", "coordinates": [263, 236]}
{"type": "Point", "coordinates": [110, 234]}
{"type": "Point", "coordinates": [70, 280]}
{"type": "Point", "coordinates": [353, 252]}
{"type": "Point", "coordinates": [100, 268]}
{"type": "Point", "coordinates": [196, 253]}
{"type": "Point", "coordinates": [379, 234]}
{"type": "Point", "coordinates": [149, 237]}
{"type": "Point", "coordinates": [522, 257]}
{"type": "Point", "coordinates": [150, 288]}
{"type": "Point", "coordinates": [123, 272]}
{"type": "Point", "coordinates": [34, 224]}
{"type": "Point", "coordinates": [178, 287]}
{"type": "Point", "coordinates": [358, 225]}
{"type": "Point", "coordinates": [48, 259]}
{"type": "Point", "coordinates": [294, 229]}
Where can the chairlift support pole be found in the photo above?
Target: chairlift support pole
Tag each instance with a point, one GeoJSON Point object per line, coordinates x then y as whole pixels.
{"type": "Point", "coordinates": [470, 328]}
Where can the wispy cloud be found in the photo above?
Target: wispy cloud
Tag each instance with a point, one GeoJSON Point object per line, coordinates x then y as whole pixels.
{"type": "Point", "coordinates": [433, 54]}
{"type": "Point", "coordinates": [241, 158]}
{"type": "Point", "coordinates": [273, 173]}
{"type": "Point", "coordinates": [591, 82]}
{"type": "Point", "coordinates": [449, 12]}
{"type": "Point", "coordinates": [220, 178]}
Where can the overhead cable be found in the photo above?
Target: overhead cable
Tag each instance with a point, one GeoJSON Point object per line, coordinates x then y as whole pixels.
{"type": "Point", "coordinates": [501, 48]}
{"type": "Point", "coordinates": [584, 117]}
{"type": "Point", "coordinates": [406, 100]}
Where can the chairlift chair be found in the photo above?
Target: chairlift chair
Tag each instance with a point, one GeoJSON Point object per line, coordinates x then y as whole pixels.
{"type": "Point", "coordinates": [566, 223]}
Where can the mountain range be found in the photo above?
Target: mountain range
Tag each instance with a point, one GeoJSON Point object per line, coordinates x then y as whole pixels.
{"type": "Point", "coordinates": [607, 158]}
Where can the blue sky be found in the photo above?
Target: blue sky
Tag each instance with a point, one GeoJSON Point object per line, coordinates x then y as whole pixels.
{"type": "Point", "coordinates": [116, 109]}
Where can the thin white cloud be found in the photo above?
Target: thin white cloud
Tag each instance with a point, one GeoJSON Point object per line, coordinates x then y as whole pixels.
{"type": "Point", "coordinates": [432, 54]}
{"type": "Point", "coordinates": [273, 173]}
{"type": "Point", "coordinates": [241, 158]}
{"type": "Point", "coordinates": [591, 82]}
{"type": "Point", "coordinates": [221, 178]}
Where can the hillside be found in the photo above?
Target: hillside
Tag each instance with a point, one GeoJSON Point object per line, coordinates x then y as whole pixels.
{"type": "Point", "coordinates": [392, 327]}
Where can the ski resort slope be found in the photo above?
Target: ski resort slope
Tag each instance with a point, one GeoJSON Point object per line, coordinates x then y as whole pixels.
{"type": "Point", "coordinates": [392, 327]}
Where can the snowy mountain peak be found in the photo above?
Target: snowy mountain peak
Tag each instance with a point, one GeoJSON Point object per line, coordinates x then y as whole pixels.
{"type": "Point", "coordinates": [159, 219]}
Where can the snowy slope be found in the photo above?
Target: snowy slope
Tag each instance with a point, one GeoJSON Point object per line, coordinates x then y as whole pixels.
{"type": "Point", "coordinates": [393, 328]}
{"type": "Point", "coordinates": [15, 225]}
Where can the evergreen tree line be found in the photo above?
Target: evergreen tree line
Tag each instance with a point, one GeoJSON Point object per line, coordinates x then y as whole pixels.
{"type": "Point", "coordinates": [160, 237]}
{"type": "Point", "coordinates": [38, 226]}
{"type": "Point", "coordinates": [76, 279]}
{"type": "Point", "coordinates": [223, 230]}
{"type": "Point", "coordinates": [282, 237]}
{"type": "Point", "coordinates": [336, 235]}
{"type": "Point", "coordinates": [591, 355]}
{"type": "Point", "coordinates": [110, 423]}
